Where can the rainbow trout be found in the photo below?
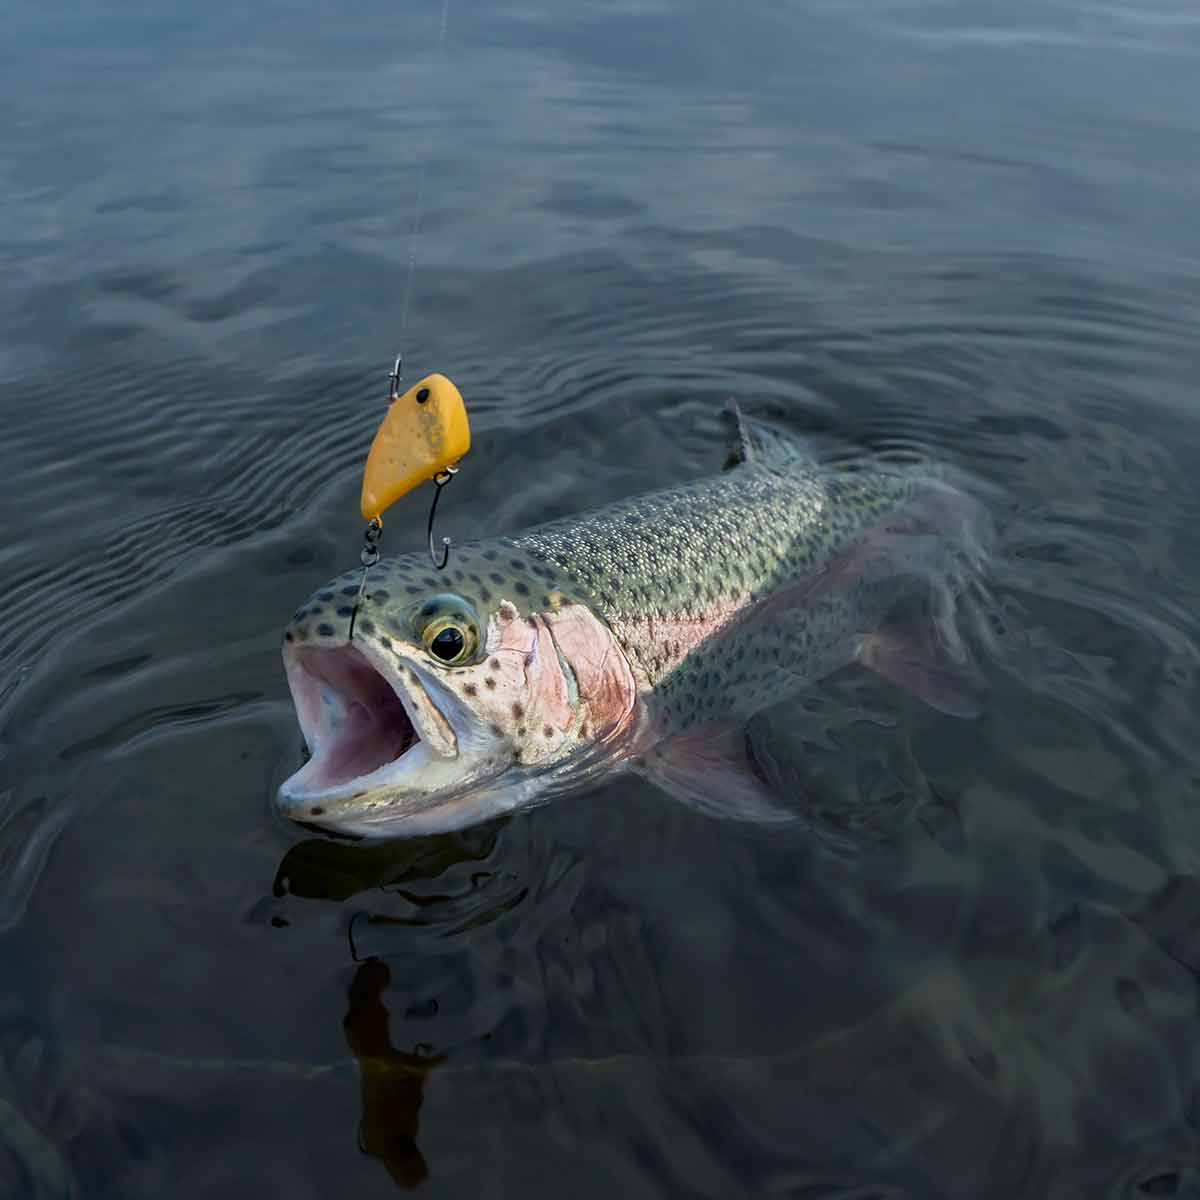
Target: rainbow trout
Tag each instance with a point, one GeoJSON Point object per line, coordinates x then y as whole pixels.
{"type": "Point", "coordinates": [642, 636]}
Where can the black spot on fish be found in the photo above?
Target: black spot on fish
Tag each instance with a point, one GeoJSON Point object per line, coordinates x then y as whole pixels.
{"type": "Point", "coordinates": [325, 596]}
{"type": "Point", "coordinates": [494, 664]}
{"type": "Point", "coordinates": [516, 564]}
{"type": "Point", "coordinates": [315, 611]}
{"type": "Point", "coordinates": [490, 555]}
{"type": "Point", "coordinates": [459, 576]}
{"type": "Point", "coordinates": [583, 730]}
{"type": "Point", "coordinates": [350, 591]}
{"type": "Point", "coordinates": [325, 630]}
{"type": "Point", "coordinates": [429, 581]}
{"type": "Point", "coordinates": [474, 578]}
{"type": "Point", "coordinates": [547, 732]}
{"type": "Point", "coordinates": [470, 690]}
{"type": "Point", "coordinates": [517, 711]}
{"type": "Point", "coordinates": [485, 595]}
{"type": "Point", "coordinates": [496, 579]}
{"type": "Point", "coordinates": [380, 595]}
{"type": "Point", "coordinates": [288, 637]}
{"type": "Point", "coordinates": [520, 588]}
{"type": "Point", "coordinates": [429, 608]}
{"type": "Point", "coordinates": [496, 730]}
{"type": "Point", "coordinates": [385, 641]}
{"type": "Point", "coordinates": [521, 731]}
{"type": "Point", "coordinates": [413, 590]}
{"type": "Point", "coordinates": [317, 811]}
{"type": "Point", "coordinates": [367, 626]}
{"type": "Point", "coordinates": [345, 611]}
{"type": "Point", "coordinates": [547, 602]}
{"type": "Point", "coordinates": [489, 682]}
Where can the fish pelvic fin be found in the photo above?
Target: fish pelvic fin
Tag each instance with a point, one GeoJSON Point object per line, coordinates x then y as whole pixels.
{"type": "Point", "coordinates": [920, 664]}
{"type": "Point", "coordinates": [761, 444]}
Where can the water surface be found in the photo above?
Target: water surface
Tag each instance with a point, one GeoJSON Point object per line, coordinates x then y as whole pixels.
{"type": "Point", "coordinates": [964, 233]}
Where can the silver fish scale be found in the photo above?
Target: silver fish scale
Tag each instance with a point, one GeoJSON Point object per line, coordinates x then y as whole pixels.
{"type": "Point", "coordinates": [701, 552]}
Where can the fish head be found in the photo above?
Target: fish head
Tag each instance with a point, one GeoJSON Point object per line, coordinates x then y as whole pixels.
{"type": "Point", "coordinates": [455, 698]}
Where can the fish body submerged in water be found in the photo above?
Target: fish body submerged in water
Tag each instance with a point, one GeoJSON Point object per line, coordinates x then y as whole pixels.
{"type": "Point", "coordinates": [642, 635]}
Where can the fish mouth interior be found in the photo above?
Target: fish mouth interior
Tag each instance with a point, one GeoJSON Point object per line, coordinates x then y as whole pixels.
{"type": "Point", "coordinates": [352, 718]}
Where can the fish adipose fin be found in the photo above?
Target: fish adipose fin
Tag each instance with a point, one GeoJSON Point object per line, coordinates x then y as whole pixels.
{"type": "Point", "coordinates": [763, 445]}
{"type": "Point", "coordinates": [712, 770]}
{"type": "Point", "coordinates": [920, 664]}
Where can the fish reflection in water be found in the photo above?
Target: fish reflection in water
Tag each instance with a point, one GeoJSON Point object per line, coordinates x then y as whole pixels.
{"type": "Point", "coordinates": [392, 1081]}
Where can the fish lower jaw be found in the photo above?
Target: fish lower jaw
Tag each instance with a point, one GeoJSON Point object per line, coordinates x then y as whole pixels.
{"type": "Point", "coordinates": [421, 816]}
{"type": "Point", "coordinates": [417, 794]}
{"type": "Point", "coordinates": [319, 783]}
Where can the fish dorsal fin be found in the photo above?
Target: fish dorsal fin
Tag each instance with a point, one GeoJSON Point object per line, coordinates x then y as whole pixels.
{"type": "Point", "coordinates": [763, 445]}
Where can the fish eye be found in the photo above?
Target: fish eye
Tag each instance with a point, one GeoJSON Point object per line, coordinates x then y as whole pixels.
{"type": "Point", "coordinates": [448, 630]}
{"type": "Point", "coordinates": [447, 644]}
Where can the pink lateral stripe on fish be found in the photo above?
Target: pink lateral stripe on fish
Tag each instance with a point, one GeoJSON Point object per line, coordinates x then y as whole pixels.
{"type": "Point", "coordinates": [642, 636]}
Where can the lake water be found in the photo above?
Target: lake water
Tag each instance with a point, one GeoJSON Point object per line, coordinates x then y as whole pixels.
{"type": "Point", "coordinates": [965, 232]}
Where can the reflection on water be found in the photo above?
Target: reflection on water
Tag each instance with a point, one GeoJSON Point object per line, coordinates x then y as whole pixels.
{"type": "Point", "coordinates": [392, 1081]}
{"type": "Point", "coordinates": [323, 869]}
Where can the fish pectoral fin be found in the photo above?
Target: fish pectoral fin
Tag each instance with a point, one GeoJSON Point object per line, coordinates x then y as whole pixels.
{"type": "Point", "coordinates": [712, 770]}
{"type": "Point", "coordinates": [919, 664]}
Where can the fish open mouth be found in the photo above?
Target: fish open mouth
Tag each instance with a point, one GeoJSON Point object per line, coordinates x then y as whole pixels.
{"type": "Point", "coordinates": [358, 723]}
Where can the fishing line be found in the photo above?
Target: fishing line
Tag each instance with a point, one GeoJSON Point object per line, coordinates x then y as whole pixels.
{"type": "Point", "coordinates": [369, 555]}
{"type": "Point", "coordinates": [439, 54]}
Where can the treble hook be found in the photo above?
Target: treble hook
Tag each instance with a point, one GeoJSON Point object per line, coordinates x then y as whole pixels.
{"type": "Point", "coordinates": [440, 480]}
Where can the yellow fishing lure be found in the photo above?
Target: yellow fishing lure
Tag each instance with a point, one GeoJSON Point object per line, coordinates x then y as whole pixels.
{"type": "Point", "coordinates": [423, 435]}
